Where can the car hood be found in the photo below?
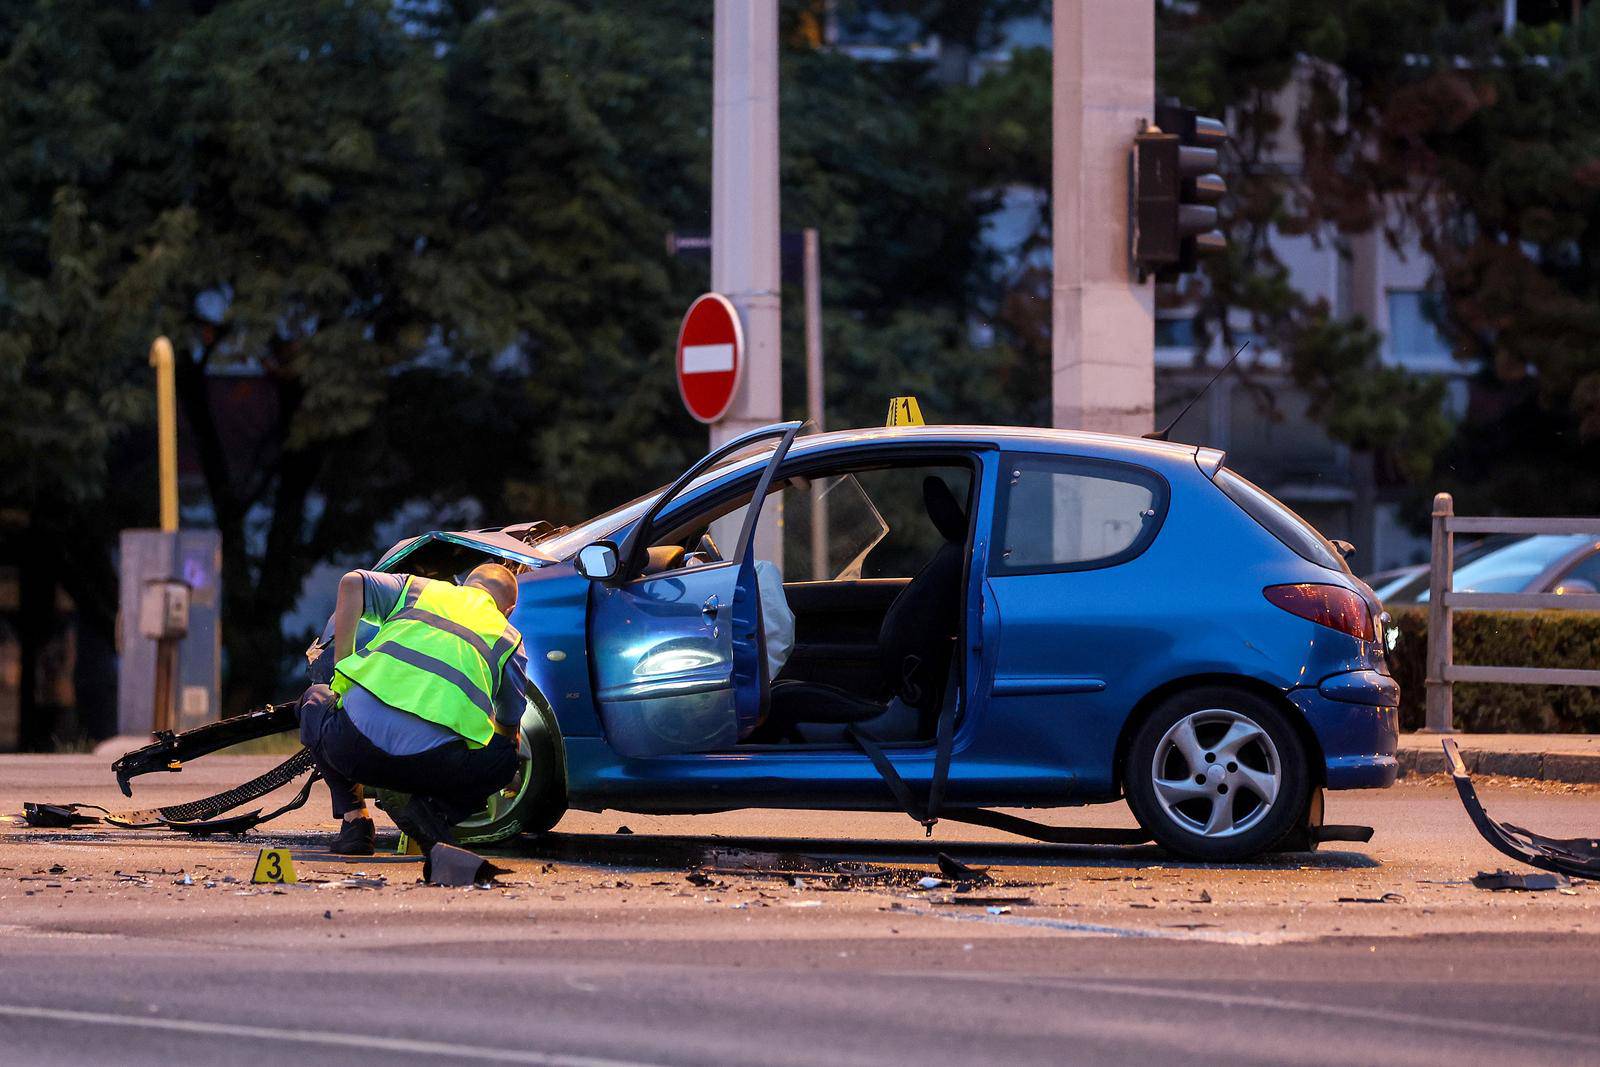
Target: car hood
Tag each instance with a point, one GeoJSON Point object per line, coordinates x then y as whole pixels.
{"type": "Point", "coordinates": [490, 542]}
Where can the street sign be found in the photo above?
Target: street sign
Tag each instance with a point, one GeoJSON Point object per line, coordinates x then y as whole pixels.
{"type": "Point", "coordinates": [710, 356]}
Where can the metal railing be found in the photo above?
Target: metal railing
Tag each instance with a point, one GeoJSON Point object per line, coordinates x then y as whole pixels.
{"type": "Point", "coordinates": [1443, 601]}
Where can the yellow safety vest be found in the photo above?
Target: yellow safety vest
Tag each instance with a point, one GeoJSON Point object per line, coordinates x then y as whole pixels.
{"type": "Point", "coordinates": [439, 655]}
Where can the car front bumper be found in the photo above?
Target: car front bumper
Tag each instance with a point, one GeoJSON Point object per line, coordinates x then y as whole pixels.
{"type": "Point", "coordinates": [1356, 719]}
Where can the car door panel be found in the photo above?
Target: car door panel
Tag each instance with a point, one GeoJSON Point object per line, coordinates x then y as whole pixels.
{"type": "Point", "coordinates": [663, 651]}
{"type": "Point", "coordinates": [677, 656]}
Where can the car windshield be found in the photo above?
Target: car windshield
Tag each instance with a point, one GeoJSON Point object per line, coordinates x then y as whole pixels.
{"type": "Point", "coordinates": [1512, 568]}
{"type": "Point", "coordinates": [568, 541]}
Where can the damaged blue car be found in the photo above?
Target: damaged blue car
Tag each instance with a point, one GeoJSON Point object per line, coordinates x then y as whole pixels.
{"type": "Point", "coordinates": [945, 620]}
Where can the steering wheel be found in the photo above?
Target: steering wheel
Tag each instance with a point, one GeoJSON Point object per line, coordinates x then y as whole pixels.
{"type": "Point", "coordinates": [707, 549]}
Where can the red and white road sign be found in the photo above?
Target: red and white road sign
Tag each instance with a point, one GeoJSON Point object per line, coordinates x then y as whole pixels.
{"type": "Point", "coordinates": [710, 356]}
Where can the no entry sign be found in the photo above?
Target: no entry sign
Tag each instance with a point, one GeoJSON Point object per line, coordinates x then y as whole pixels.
{"type": "Point", "coordinates": [710, 356]}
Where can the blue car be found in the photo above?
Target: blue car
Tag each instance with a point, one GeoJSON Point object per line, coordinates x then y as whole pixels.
{"type": "Point", "coordinates": [944, 620]}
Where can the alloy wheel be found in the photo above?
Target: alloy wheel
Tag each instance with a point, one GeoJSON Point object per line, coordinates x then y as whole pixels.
{"type": "Point", "coordinates": [1216, 773]}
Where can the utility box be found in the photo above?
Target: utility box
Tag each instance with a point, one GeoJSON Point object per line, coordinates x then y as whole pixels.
{"type": "Point", "coordinates": [164, 610]}
{"type": "Point", "coordinates": [170, 588]}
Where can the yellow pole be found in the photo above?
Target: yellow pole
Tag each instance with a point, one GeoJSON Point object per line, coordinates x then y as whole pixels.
{"type": "Point", "coordinates": [166, 431]}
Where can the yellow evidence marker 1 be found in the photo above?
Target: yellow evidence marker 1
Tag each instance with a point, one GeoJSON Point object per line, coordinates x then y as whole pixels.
{"type": "Point", "coordinates": [273, 867]}
{"type": "Point", "coordinates": [905, 411]}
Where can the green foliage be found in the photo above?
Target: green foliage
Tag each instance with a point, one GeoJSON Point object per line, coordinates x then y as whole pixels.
{"type": "Point", "coordinates": [1423, 119]}
{"type": "Point", "coordinates": [1551, 639]}
{"type": "Point", "coordinates": [411, 259]}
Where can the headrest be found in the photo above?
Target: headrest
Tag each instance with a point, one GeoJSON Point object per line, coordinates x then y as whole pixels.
{"type": "Point", "coordinates": [945, 511]}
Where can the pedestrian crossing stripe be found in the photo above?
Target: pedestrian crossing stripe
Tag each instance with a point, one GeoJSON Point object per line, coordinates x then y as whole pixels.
{"type": "Point", "coordinates": [905, 411]}
{"type": "Point", "coordinates": [274, 866]}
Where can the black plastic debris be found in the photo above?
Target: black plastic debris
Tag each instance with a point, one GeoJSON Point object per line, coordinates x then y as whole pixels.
{"type": "Point", "coordinates": [449, 865]}
{"type": "Point", "coordinates": [1387, 898]}
{"type": "Point", "coordinates": [1578, 857]}
{"type": "Point", "coordinates": [957, 871]}
{"type": "Point", "coordinates": [56, 816]}
{"type": "Point", "coordinates": [1516, 881]}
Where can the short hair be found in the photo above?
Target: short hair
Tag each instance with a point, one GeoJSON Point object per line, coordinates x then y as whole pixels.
{"type": "Point", "coordinates": [498, 582]}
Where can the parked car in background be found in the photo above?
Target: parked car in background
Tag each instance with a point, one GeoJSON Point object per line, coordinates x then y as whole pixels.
{"type": "Point", "coordinates": [1564, 564]}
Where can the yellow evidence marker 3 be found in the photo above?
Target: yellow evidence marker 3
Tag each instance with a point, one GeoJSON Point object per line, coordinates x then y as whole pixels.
{"type": "Point", "coordinates": [274, 867]}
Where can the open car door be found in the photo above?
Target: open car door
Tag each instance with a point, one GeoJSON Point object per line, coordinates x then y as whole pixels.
{"type": "Point", "coordinates": [679, 656]}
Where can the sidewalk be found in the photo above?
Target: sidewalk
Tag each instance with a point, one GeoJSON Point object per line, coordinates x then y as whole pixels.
{"type": "Point", "coordinates": [1548, 757]}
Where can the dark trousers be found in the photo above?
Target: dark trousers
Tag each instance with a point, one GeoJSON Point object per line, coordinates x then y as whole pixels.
{"type": "Point", "coordinates": [457, 778]}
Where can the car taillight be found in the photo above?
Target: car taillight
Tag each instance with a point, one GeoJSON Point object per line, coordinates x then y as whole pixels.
{"type": "Point", "coordinates": [1333, 606]}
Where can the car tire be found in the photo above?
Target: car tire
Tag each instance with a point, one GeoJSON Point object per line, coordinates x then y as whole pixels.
{"type": "Point", "coordinates": [535, 800]}
{"type": "Point", "coordinates": [1217, 774]}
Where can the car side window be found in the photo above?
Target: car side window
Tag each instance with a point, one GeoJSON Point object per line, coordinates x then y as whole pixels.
{"type": "Point", "coordinates": [1583, 577]}
{"type": "Point", "coordinates": [1062, 513]}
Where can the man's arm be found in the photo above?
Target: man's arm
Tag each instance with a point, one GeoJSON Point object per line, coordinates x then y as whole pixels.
{"type": "Point", "coordinates": [511, 698]}
{"type": "Point", "coordinates": [347, 613]}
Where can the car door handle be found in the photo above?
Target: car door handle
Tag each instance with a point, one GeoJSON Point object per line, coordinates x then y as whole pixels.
{"type": "Point", "coordinates": [710, 607]}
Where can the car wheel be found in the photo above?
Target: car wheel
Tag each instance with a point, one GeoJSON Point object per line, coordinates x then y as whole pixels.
{"type": "Point", "coordinates": [1217, 775]}
{"type": "Point", "coordinates": [535, 800]}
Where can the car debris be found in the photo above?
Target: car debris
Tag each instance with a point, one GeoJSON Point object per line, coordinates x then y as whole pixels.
{"type": "Point", "coordinates": [56, 816]}
{"type": "Point", "coordinates": [1387, 898]}
{"type": "Point", "coordinates": [1576, 857]}
{"type": "Point", "coordinates": [1517, 881]}
{"type": "Point", "coordinates": [957, 871]}
{"type": "Point", "coordinates": [448, 865]}
{"type": "Point", "coordinates": [169, 750]}
{"type": "Point", "coordinates": [986, 902]}
{"type": "Point", "coordinates": [196, 817]}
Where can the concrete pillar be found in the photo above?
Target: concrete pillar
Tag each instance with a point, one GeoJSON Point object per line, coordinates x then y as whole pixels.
{"type": "Point", "coordinates": [745, 254]}
{"type": "Point", "coordinates": [1102, 320]}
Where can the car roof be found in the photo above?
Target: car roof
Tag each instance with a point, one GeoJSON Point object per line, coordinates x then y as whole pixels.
{"type": "Point", "coordinates": [1031, 438]}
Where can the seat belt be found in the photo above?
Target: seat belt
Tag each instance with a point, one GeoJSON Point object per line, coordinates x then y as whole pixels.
{"type": "Point", "coordinates": [929, 814]}
{"type": "Point", "coordinates": [944, 734]}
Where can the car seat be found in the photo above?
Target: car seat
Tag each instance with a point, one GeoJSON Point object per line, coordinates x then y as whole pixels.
{"type": "Point", "coordinates": [915, 642]}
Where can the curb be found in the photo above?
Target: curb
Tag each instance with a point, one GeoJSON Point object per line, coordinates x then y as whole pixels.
{"type": "Point", "coordinates": [1540, 766]}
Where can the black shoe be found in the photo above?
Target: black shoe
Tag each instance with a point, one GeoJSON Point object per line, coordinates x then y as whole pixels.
{"type": "Point", "coordinates": [355, 838]}
{"type": "Point", "coordinates": [424, 823]}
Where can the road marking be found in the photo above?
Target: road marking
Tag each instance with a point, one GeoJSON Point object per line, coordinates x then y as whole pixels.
{"type": "Point", "coordinates": [354, 1041]}
{"type": "Point", "coordinates": [1509, 1031]}
{"type": "Point", "coordinates": [1223, 937]}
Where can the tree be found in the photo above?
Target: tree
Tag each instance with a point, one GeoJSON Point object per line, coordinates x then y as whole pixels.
{"type": "Point", "coordinates": [72, 373]}
{"type": "Point", "coordinates": [425, 240]}
{"type": "Point", "coordinates": [1422, 118]}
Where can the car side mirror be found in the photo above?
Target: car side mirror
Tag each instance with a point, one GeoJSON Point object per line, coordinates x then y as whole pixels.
{"type": "Point", "coordinates": [599, 562]}
{"type": "Point", "coordinates": [1346, 549]}
{"type": "Point", "coordinates": [1570, 586]}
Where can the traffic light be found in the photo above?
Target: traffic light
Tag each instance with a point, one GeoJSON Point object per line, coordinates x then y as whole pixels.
{"type": "Point", "coordinates": [1173, 213]}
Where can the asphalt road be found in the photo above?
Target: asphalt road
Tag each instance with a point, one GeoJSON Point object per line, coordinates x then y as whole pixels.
{"type": "Point", "coordinates": [599, 948]}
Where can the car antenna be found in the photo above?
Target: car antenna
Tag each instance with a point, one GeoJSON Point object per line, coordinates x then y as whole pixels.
{"type": "Point", "coordinates": [1165, 433]}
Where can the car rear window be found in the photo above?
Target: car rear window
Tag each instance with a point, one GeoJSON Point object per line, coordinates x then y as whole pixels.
{"type": "Point", "coordinates": [1279, 520]}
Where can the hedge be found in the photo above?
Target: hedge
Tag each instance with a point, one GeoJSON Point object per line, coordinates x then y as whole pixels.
{"type": "Point", "coordinates": [1505, 639]}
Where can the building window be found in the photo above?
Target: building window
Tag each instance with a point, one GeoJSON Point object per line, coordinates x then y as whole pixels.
{"type": "Point", "coordinates": [1414, 335]}
{"type": "Point", "coordinates": [1175, 332]}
